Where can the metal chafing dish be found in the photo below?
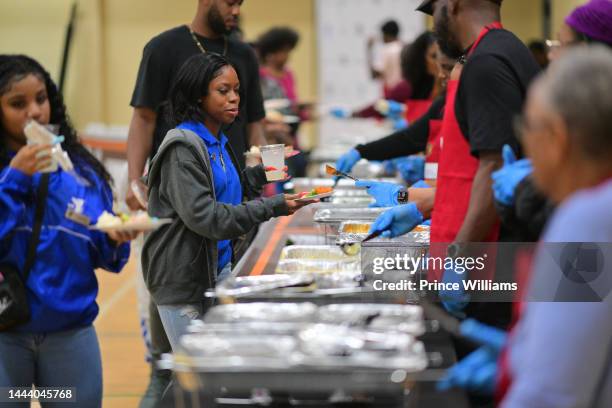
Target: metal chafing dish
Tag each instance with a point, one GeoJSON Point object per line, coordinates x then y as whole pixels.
{"type": "Point", "coordinates": [375, 316]}
{"type": "Point", "coordinates": [320, 360]}
{"type": "Point", "coordinates": [250, 285]}
{"type": "Point", "coordinates": [411, 248]}
{"type": "Point", "coordinates": [331, 218]}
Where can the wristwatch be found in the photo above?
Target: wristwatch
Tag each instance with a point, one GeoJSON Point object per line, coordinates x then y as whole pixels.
{"type": "Point", "coordinates": [402, 196]}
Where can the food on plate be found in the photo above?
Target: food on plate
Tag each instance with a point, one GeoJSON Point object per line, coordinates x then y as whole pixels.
{"type": "Point", "coordinates": [108, 220]}
{"type": "Point", "coordinates": [317, 191]}
{"type": "Point", "coordinates": [138, 219]}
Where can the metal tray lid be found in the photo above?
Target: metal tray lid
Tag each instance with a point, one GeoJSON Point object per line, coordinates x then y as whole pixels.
{"type": "Point", "coordinates": [261, 312]}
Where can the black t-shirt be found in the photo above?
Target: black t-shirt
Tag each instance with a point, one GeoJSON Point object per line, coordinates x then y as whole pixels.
{"type": "Point", "coordinates": [165, 54]}
{"type": "Point", "coordinates": [492, 90]}
{"type": "Point", "coordinates": [405, 142]}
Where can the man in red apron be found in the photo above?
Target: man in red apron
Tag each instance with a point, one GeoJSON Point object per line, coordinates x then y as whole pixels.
{"type": "Point", "coordinates": [481, 103]}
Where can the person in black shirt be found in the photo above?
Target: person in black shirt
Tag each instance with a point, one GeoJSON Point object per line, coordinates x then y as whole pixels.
{"type": "Point", "coordinates": [492, 91]}
{"type": "Point", "coordinates": [162, 57]}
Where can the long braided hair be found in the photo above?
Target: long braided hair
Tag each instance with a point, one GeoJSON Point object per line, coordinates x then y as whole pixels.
{"type": "Point", "coordinates": [13, 68]}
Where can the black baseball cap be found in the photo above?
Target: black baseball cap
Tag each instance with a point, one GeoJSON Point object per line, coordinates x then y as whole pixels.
{"type": "Point", "coordinates": [426, 7]}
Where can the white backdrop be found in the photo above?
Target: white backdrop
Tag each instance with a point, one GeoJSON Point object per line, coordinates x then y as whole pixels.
{"type": "Point", "coordinates": [343, 27]}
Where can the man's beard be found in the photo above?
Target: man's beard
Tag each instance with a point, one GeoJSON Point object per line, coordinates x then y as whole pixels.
{"type": "Point", "coordinates": [446, 39]}
{"type": "Point", "coordinates": [216, 22]}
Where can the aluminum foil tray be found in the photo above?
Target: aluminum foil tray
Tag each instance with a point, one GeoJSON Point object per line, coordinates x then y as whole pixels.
{"type": "Point", "coordinates": [231, 351]}
{"type": "Point", "coordinates": [352, 231]}
{"type": "Point", "coordinates": [315, 253]}
{"type": "Point", "coordinates": [248, 285]}
{"type": "Point", "coordinates": [245, 328]}
{"type": "Point", "coordinates": [376, 317]}
{"type": "Point", "coordinates": [289, 266]}
{"type": "Point", "coordinates": [417, 237]}
{"type": "Point", "coordinates": [261, 312]}
{"type": "Point", "coordinates": [338, 215]}
{"type": "Point", "coordinates": [323, 345]}
{"type": "Point", "coordinates": [317, 347]}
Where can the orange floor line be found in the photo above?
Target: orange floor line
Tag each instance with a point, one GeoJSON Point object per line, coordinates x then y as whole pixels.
{"type": "Point", "coordinates": [268, 250]}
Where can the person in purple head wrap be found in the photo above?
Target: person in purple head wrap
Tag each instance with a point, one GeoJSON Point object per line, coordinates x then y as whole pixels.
{"type": "Point", "coordinates": [589, 23]}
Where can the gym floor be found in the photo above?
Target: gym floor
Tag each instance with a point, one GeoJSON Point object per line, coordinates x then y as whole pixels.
{"type": "Point", "coordinates": [126, 373]}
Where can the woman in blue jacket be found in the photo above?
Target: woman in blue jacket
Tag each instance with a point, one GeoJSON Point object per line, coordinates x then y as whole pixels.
{"type": "Point", "coordinates": [58, 347]}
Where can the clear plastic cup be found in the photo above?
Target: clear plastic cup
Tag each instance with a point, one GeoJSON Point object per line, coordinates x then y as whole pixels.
{"type": "Point", "coordinates": [273, 156]}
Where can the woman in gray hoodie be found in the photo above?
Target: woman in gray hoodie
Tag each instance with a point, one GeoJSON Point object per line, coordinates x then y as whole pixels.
{"type": "Point", "coordinates": [194, 179]}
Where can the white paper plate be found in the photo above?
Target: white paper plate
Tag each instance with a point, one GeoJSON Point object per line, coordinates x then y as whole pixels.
{"type": "Point", "coordinates": [316, 197]}
{"type": "Point", "coordinates": [135, 226]}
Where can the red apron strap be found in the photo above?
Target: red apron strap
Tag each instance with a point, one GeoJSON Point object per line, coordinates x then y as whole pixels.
{"type": "Point", "coordinates": [493, 26]}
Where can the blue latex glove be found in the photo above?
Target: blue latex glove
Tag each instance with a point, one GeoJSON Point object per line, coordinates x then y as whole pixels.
{"type": "Point", "coordinates": [348, 160]}
{"type": "Point", "coordinates": [454, 301]}
{"type": "Point", "coordinates": [395, 108]}
{"type": "Point", "coordinates": [420, 184]}
{"type": "Point", "coordinates": [340, 113]}
{"type": "Point", "coordinates": [384, 193]}
{"type": "Point", "coordinates": [412, 168]}
{"type": "Point", "coordinates": [389, 166]}
{"type": "Point", "coordinates": [509, 176]}
{"type": "Point", "coordinates": [478, 371]}
{"type": "Point", "coordinates": [400, 123]}
{"type": "Point", "coordinates": [398, 220]}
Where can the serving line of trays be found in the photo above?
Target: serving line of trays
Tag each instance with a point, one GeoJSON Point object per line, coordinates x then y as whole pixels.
{"type": "Point", "coordinates": [313, 330]}
{"type": "Point", "coordinates": [302, 350]}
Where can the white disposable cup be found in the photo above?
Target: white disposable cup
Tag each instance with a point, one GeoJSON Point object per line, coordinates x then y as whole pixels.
{"type": "Point", "coordinates": [274, 156]}
{"type": "Point", "coordinates": [53, 167]}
